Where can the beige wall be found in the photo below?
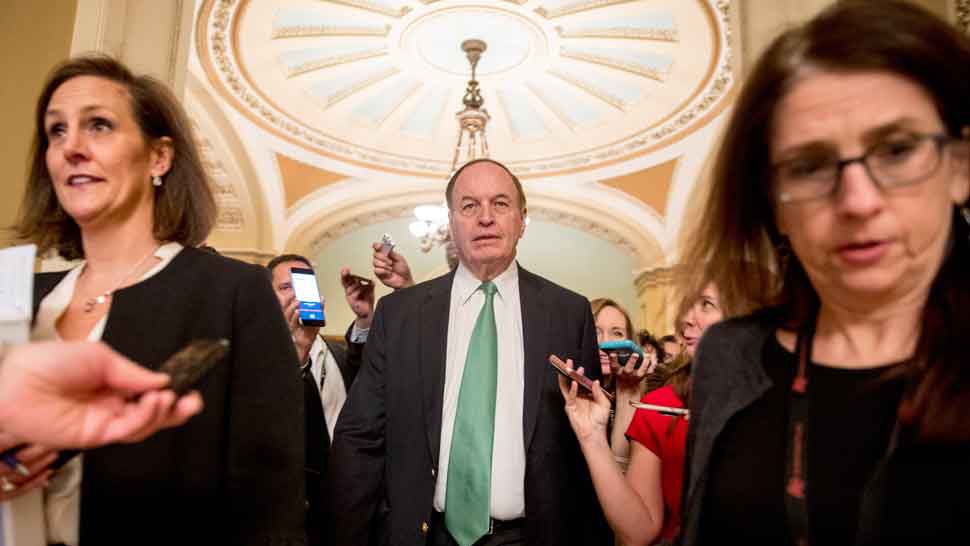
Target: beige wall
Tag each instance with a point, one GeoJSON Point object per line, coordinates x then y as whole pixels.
{"type": "Point", "coordinates": [34, 35]}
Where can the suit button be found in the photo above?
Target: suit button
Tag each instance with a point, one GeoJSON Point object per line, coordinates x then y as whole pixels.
{"type": "Point", "coordinates": [424, 527]}
{"type": "Point", "coordinates": [434, 473]}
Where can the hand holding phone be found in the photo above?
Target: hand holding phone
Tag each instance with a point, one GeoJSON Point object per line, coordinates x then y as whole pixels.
{"type": "Point", "coordinates": [308, 295]}
{"type": "Point", "coordinates": [623, 349]}
{"type": "Point", "coordinates": [585, 383]}
{"type": "Point", "coordinates": [186, 368]}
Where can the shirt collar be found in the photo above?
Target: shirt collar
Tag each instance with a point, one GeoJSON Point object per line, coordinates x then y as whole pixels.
{"type": "Point", "coordinates": [168, 250]}
{"type": "Point", "coordinates": [466, 284]}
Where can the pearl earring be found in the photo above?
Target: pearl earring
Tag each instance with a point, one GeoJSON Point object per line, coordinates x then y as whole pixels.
{"type": "Point", "coordinates": [157, 181]}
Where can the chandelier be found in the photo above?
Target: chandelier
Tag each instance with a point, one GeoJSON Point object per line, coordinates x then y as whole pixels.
{"type": "Point", "coordinates": [431, 224]}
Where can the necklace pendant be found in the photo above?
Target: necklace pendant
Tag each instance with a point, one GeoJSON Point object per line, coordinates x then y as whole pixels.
{"type": "Point", "coordinates": [91, 302]}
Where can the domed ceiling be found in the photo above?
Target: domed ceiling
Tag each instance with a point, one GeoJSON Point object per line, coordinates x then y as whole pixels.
{"type": "Point", "coordinates": [570, 85]}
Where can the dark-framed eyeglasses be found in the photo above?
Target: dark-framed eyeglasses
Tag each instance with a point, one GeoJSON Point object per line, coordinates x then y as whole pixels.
{"type": "Point", "coordinates": [895, 162]}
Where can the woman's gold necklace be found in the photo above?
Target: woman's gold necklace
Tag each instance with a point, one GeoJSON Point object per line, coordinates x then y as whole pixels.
{"type": "Point", "coordinates": [90, 303]}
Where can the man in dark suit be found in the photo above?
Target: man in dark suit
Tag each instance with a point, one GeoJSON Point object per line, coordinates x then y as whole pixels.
{"type": "Point", "coordinates": [454, 432]}
{"type": "Point", "coordinates": [328, 369]}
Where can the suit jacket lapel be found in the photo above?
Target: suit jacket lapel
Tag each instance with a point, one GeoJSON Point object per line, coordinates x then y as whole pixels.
{"type": "Point", "coordinates": [433, 343]}
{"type": "Point", "coordinates": [535, 337]}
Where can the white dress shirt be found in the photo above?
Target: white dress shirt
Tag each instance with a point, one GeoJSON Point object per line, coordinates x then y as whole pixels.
{"type": "Point", "coordinates": [333, 393]}
{"type": "Point", "coordinates": [508, 447]}
{"type": "Point", "coordinates": [62, 496]}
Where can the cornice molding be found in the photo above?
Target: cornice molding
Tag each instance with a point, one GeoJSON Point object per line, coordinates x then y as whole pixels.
{"type": "Point", "coordinates": [326, 234]}
{"type": "Point", "coordinates": [654, 277]}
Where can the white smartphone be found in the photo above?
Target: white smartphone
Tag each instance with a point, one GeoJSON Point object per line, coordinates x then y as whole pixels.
{"type": "Point", "coordinates": [307, 293]}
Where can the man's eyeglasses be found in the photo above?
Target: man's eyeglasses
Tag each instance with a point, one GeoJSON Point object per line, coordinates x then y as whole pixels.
{"type": "Point", "coordinates": [895, 162]}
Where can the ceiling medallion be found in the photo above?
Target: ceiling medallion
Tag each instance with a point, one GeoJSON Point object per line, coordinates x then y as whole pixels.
{"type": "Point", "coordinates": [577, 84]}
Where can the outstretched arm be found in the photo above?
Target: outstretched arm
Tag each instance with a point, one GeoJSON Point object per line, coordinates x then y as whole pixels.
{"type": "Point", "coordinates": [84, 395]}
{"type": "Point", "coordinates": [633, 506]}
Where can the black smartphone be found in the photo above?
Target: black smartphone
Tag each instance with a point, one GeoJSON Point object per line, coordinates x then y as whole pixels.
{"type": "Point", "coordinates": [585, 383]}
{"type": "Point", "coordinates": [308, 294]}
{"type": "Point", "coordinates": [186, 368]}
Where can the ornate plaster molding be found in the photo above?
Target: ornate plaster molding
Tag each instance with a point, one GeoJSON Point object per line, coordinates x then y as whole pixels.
{"type": "Point", "coordinates": [230, 216]}
{"type": "Point", "coordinates": [354, 87]}
{"type": "Point", "coordinates": [215, 32]}
{"type": "Point", "coordinates": [375, 7]}
{"type": "Point", "coordinates": [653, 277]}
{"type": "Point", "coordinates": [658, 34]}
{"type": "Point", "coordinates": [325, 62]}
{"type": "Point", "coordinates": [962, 9]}
{"type": "Point", "coordinates": [334, 232]}
{"type": "Point", "coordinates": [612, 62]}
{"type": "Point", "coordinates": [576, 7]}
{"type": "Point", "coordinates": [329, 30]}
{"type": "Point", "coordinates": [541, 94]}
{"type": "Point", "coordinates": [331, 233]}
{"type": "Point", "coordinates": [591, 88]}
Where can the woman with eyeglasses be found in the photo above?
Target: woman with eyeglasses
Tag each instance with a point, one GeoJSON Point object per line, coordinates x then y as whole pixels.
{"type": "Point", "coordinates": [838, 413]}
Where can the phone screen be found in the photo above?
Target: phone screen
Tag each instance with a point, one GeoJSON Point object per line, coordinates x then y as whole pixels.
{"type": "Point", "coordinates": [307, 293]}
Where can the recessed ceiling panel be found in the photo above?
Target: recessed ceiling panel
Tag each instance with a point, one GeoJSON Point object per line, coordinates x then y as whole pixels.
{"type": "Point", "coordinates": [378, 82]}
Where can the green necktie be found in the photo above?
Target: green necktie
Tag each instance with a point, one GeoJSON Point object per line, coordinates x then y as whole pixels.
{"type": "Point", "coordinates": [468, 493]}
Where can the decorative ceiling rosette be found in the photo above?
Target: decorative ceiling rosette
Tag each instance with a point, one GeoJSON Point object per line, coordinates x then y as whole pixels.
{"type": "Point", "coordinates": [571, 85]}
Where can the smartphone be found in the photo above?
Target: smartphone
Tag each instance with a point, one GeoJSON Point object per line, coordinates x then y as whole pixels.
{"type": "Point", "coordinates": [623, 349]}
{"type": "Point", "coordinates": [307, 293]}
{"type": "Point", "coordinates": [387, 244]}
{"type": "Point", "coordinates": [585, 383]}
{"type": "Point", "coordinates": [186, 368]}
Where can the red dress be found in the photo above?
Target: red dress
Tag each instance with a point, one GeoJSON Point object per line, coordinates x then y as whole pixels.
{"type": "Point", "coordinates": [653, 431]}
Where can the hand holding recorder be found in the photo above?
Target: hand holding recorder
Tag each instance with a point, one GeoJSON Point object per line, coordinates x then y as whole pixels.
{"type": "Point", "coordinates": [390, 267]}
{"type": "Point", "coordinates": [83, 395]}
{"type": "Point", "coordinates": [359, 293]}
{"type": "Point", "coordinates": [588, 412]}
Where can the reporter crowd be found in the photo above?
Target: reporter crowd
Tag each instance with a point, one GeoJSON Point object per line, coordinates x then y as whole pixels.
{"type": "Point", "coordinates": [814, 389]}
